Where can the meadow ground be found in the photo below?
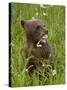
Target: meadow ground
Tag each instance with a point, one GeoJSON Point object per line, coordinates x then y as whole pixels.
{"type": "Point", "coordinates": [53, 17]}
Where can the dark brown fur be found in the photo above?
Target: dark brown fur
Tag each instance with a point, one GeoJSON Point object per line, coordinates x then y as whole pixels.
{"type": "Point", "coordinates": [34, 30]}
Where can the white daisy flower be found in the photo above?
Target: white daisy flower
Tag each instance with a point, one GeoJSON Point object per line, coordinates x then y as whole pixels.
{"type": "Point", "coordinates": [43, 65]}
{"type": "Point", "coordinates": [33, 18]}
{"type": "Point", "coordinates": [12, 44]}
{"type": "Point", "coordinates": [54, 72]}
{"type": "Point", "coordinates": [26, 70]}
{"type": "Point", "coordinates": [44, 14]}
{"type": "Point", "coordinates": [36, 13]}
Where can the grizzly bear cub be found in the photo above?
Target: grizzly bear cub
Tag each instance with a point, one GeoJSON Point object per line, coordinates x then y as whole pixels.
{"type": "Point", "coordinates": [36, 45]}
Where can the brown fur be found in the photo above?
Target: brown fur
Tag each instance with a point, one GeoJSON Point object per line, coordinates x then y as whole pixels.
{"type": "Point", "coordinates": [34, 30]}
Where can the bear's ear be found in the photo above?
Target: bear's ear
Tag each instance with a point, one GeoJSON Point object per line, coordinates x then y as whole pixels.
{"type": "Point", "coordinates": [23, 22]}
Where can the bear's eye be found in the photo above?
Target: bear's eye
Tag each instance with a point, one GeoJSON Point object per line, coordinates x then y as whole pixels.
{"type": "Point", "coordinates": [44, 25]}
{"type": "Point", "coordinates": [38, 27]}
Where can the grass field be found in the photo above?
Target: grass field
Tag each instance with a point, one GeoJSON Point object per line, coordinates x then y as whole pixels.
{"type": "Point", "coordinates": [53, 17]}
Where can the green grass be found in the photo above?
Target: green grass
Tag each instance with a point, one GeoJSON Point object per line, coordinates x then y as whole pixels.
{"type": "Point", "coordinates": [53, 17]}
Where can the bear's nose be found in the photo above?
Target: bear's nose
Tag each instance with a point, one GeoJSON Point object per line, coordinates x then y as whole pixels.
{"type": "Point", "coordinates": [46, 31]}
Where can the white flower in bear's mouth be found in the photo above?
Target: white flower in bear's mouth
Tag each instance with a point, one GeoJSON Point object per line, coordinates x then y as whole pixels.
{"type": "Point", "coordinates": [43, 39]}
{"type": "Point", "coordinates": [38, 44]}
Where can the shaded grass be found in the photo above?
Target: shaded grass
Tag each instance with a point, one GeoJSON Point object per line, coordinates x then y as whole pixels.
{"type": "Point", "coordinates": [53, 17]}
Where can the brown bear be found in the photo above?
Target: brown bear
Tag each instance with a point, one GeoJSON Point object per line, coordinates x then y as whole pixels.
{"type": "Point", "coordinates": [36, 45]}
